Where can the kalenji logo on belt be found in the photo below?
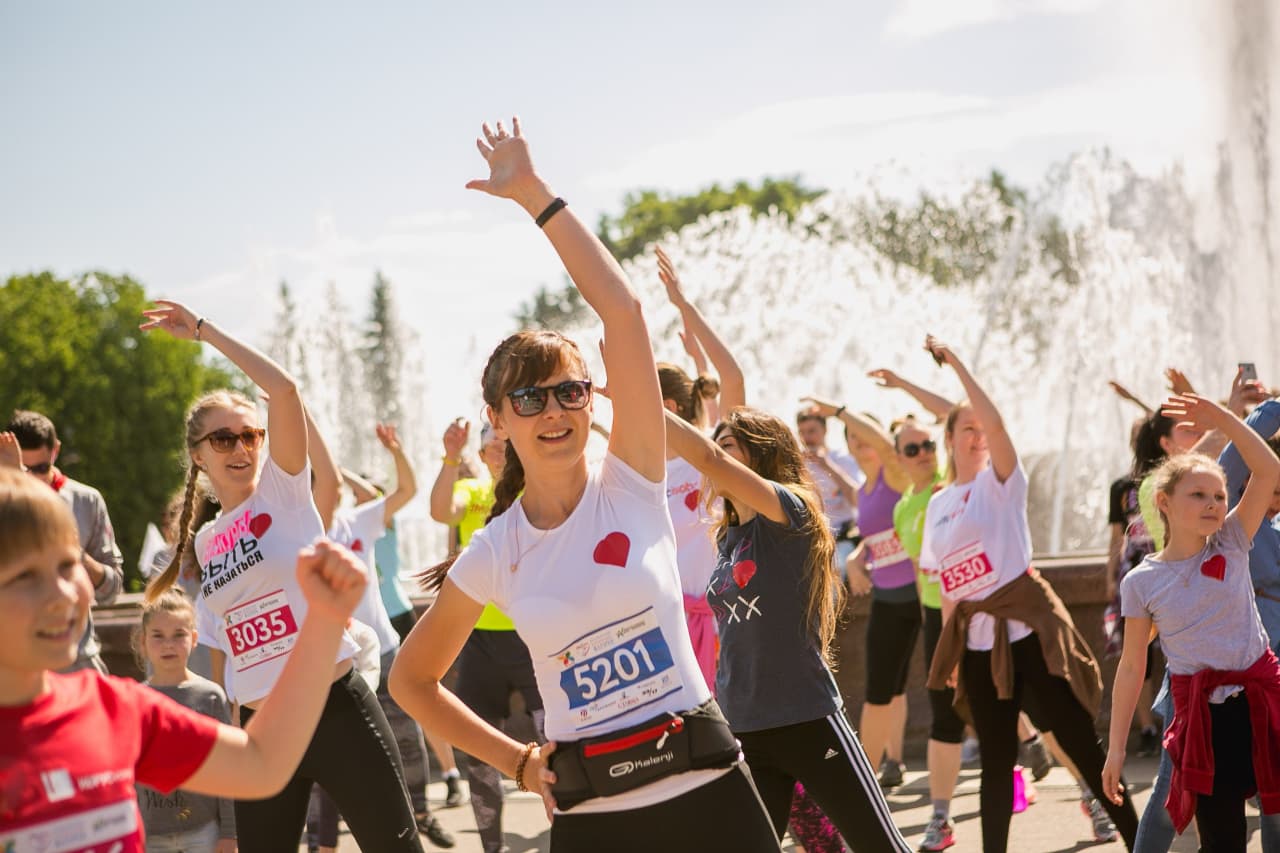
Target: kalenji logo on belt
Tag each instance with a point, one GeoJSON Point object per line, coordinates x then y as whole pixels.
{"type": "Point", "coordinates": [622, 768]}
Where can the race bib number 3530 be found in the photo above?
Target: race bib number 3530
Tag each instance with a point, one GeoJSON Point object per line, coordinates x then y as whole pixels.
{"type": "Point", "coordinates": [966, 571]}
{"type": "Point", "coordinates": [616, 669]}
{"type": "Point", "coordinates": [261, 630]}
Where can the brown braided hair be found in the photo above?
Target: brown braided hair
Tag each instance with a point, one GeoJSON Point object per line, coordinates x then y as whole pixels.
{"type": "Point", "coordinates": [196, 415]}
{"type": "Point", "coordinates": [524, 359]}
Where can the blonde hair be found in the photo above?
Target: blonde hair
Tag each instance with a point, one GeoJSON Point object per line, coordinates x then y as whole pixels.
{"type": "Point", "coordinates": [196, 415]}
{"type": "Point", "coordinates": [952, 417]}
{"type": "Point", "coordinates": [1169, 473]}
{"type": "Point", "coordinates": [32, 517]}
{"type": "Point", "coordinates": [171, 601]}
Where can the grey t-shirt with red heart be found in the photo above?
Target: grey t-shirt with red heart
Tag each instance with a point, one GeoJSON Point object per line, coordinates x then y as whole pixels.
{"type": "Point", "coordinates": [1203, 607]}
{"type": "Point", "coordinates": [771, 673]}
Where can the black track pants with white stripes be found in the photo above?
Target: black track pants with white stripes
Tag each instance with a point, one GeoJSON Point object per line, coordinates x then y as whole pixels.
{"type": "Point", "coordinates": [826, 756]}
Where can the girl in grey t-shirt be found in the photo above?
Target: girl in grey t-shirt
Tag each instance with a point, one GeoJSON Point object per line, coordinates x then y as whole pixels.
{"type": "Point", "coordinates": [1197, 594]}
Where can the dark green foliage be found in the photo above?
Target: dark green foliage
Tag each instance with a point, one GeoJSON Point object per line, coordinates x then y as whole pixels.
{"type": "Point", "coordinates": [117, 396]}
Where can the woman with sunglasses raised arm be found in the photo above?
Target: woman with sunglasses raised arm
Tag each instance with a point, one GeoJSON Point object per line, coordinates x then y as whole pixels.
{"type": "Point", "coordinates": [250, 607]}
{"type": "Point", "coordinates": [583, 560]}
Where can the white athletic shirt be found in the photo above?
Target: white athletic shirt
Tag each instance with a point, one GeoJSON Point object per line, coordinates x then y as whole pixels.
{"type": "Point", "coordinates": [597, 600]}
{"type": "Point", "coordinates": [250, 604]}
{"type": "Point", "coordinates": [977, 539]}
{"type": "Point", "coordinates": [358, 527]}
{"type": "Point", "coordinates": [695, 548]}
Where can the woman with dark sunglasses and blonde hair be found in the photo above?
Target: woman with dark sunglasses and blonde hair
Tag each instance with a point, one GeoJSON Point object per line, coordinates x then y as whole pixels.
{"type": "Point", "coordinates": [250, 606]}
{"type": "Point", "coordinates": [582, 558]}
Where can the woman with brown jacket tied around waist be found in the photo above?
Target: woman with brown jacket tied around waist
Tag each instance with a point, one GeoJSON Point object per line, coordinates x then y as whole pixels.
{"type": "Point", "coordinates": [1005, 630]}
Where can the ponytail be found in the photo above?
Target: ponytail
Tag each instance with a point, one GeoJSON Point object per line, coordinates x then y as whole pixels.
{"type": "Point", "coordinates": [166, 579]}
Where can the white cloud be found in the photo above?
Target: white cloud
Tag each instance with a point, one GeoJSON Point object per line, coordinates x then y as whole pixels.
{"type": "Point", "coordinates": [918, 19]}
{"type": "Point", "coordinates": [1145, 117]}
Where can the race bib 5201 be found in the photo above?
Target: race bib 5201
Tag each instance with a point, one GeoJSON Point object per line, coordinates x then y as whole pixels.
{"type": "Point", "coordinates": [884, 549]}
{"type": "Point", "coordinates": [616, 669]}
{"type": "Point", "coordinates": [966, 571]}
{"type": "Point", "coordinates": [260, 630]}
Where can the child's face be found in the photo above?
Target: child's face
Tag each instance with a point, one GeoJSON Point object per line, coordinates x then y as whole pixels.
{"type": "Point", "coordinates": [1198, 503]}
{"type": "Point", "coordinates": [44, 604]}
{"type": "Point", "coordinates": [168, 640]}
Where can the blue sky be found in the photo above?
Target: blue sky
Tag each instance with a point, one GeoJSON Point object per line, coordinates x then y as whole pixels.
{"type": "Point", "coordinates": [210, 150]}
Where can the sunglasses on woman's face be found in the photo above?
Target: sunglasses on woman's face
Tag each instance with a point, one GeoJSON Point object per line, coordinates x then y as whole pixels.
{"type": "Point", "coordinates": [571, 395]}
{"type": "Point", "coordinates": [224, 440]}
{"type": "Point", "coordinates": [912, 450]}
{"type": "Point", "coordinates": [40, 468]}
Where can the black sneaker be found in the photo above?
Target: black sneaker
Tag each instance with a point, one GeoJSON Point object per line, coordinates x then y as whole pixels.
{"type": "Point", "coordinates": [1148, 744]}
{"type": "Point", "coordinates": [891, 773]}
{"type": "Point", "coordinates": [454, 795]}
{"type": "Point", "coordinates": [435, 833]}
{"type": "Point", "coordinates": [1035, 757]}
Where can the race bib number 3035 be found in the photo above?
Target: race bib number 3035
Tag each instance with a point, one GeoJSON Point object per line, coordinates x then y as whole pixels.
{"type": "Point", "coordinates": [260, 630]}
{"type": "Point", "coordinates": [966, 571]}
{"type": "Point", "coordinates": [616, 669]}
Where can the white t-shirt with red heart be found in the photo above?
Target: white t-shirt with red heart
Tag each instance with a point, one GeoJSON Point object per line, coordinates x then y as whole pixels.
{"type": "Point", "coordinates": [358, 528]}
{"type": "Point", "coordinates": [598, 602]}
{"type": "Point", "coordinates": [976, 540]}
{"type": "Point", "coordinates": [695, 547]}
{"type": "Point", "coordinates": [250, 605]}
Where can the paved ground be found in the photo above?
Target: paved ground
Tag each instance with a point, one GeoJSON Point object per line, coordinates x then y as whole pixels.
{"type": "Point", "coordinates": [1054, 824]}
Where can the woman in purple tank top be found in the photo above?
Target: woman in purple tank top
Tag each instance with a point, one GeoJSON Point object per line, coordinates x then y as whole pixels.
{"type": "Point", "coordinates": [882, 567]}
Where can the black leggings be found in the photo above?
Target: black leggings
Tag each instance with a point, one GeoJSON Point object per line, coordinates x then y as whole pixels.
{"type": "Point", "coordinates": [353, 756]}
{"type": "Point", "coordinates": [946, 725]}
{"type": "Point", "coordinates": [824, 755]}
{"type": "Point", "coordinates": [1220, 817]}
{"type": "Point", "coordinates": [891, 638]}
{"type": "Point", "coordinates": [724, 814]}
{"type": "Point", "coordinates": [996, 721]}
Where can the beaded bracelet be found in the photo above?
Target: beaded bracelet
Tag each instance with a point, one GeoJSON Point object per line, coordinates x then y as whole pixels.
{"type": "Point", "coordinates": [524, 759]}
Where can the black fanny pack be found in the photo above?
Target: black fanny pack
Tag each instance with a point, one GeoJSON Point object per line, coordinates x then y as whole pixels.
{"type": "Point", "coordinates": [626, 759]}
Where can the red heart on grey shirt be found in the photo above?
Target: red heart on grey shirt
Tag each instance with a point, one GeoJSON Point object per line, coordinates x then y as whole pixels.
{"type": "Point", "coordinates": [743, 572]}
{"type": "Point", "coordinates": [1215, 567]}
{"type": "Point", "coordinates": [691, 499]}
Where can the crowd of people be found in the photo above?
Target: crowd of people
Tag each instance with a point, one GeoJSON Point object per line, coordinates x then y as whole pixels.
{"type": "Point", "coordinates": [646, 640]}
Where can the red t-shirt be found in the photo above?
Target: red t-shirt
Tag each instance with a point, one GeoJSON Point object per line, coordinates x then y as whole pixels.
{"type": "Point", "coordinates": [68, 762]}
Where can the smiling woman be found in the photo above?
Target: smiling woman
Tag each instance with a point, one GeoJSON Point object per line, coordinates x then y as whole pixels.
{"type": "Point", "coordinates": [251, 605]}
{"type": "Point", "coordinates": [583, 560]}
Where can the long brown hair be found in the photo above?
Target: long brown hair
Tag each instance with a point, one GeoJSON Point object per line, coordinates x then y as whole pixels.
{"type": "Point", "coordinates": [773, 452]}
{"type": "Point", "coordinates": [196, 416]}
{"type": "Point", "coordinates": [524, 359]}
{"type": "Point", "coordinates": [689, 395]}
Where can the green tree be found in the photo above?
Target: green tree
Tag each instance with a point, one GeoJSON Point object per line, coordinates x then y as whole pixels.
{"type": "Point", "coordinates": [648, 216]}
{"type": "Point", "coordinates": [118, 396]}
{"type": "Point", "coordinates": [382, 351]}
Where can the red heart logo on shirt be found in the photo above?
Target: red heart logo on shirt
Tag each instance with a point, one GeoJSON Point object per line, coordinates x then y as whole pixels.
{"type": "Point", "coordinates": [613, 550]}
{"type": "Point", "coordinates": [1215, 567]}
{"type": "Point", "coordinates": [743, 572]}
{"type": "Point", "coordinates": [357, 545]}
{"type": "Point", "coordinates": [691, 499]}
{"type": "Point", "coordinates": [259, 524]}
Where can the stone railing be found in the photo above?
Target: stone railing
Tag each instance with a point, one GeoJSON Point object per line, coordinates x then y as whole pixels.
{"type": "Point", "coordinates": [1078, 579]}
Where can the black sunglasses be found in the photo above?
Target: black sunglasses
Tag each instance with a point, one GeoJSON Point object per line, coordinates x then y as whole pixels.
{"type": "Point", "coordinates": [40, 468]}
{"type": "Point", "coordinates": [912, 450]}
{"type": "Point", "coordinates": [224, 440]}
{"type": "Point", "coordinates": [572, 395]}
